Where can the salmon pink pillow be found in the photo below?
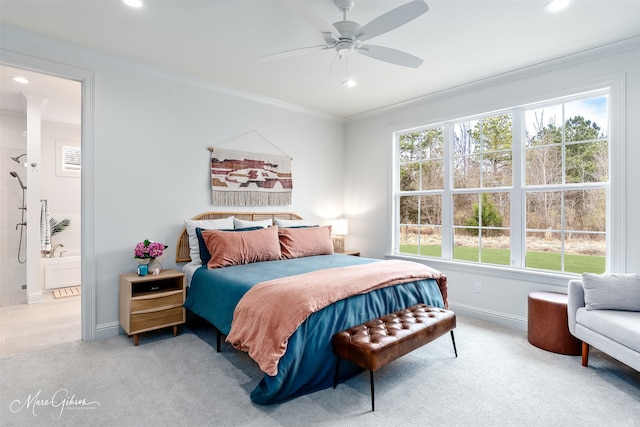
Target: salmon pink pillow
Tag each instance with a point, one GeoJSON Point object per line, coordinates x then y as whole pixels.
{"type": "Point", "coordinates": [303, 242]}
{"type": "Point", "coordinates": [242, 247]}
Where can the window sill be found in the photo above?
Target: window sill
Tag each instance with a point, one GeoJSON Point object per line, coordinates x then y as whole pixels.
{"type": "Point", "coordinates": [534, 276]}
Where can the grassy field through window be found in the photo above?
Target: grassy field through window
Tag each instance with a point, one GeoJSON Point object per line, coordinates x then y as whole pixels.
{"type": "Point", "coordinates": [541, 260]}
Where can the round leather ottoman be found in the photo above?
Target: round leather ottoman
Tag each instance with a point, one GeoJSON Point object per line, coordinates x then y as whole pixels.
{"type": "Point", "coordinates": [548, 324]}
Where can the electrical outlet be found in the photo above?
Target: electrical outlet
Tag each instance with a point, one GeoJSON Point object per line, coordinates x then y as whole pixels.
{"type": "Point", "coordinates": [478, 287]}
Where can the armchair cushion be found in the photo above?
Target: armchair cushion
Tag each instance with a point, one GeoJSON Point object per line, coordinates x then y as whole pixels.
{"type": "Point", "coordinates": [611, 291]}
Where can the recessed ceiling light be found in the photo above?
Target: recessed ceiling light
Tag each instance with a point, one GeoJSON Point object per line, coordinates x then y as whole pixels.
{"type": "Point", "coordinates": [20, 79]}
{"type": "Point", "coordinates": [133, 3]}
{"type": "Point", "coordinates": [349, 83]}
{"type": "Point", "coordinates": [556, 5]}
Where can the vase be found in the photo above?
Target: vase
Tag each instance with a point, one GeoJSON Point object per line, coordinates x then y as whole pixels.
{"type": "Point", "coordinates": [143, 268]}
{"type": "Point", "coordinates": [155, 265]}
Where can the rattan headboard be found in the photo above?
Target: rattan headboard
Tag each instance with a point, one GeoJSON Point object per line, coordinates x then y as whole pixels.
{"type": "Point", "coordinates": [182, 248]}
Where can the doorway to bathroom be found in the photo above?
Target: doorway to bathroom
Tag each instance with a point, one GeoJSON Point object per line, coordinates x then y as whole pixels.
{"type": "Point", "coordinates": [40, 246]}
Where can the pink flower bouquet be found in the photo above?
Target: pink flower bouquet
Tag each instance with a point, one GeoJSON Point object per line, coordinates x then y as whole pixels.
{"type": "Point", "coordinates": [149, 250]}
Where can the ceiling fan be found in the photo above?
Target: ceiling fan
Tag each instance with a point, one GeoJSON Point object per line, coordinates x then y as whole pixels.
{"type": "Point", "coordinates": [347, 37]}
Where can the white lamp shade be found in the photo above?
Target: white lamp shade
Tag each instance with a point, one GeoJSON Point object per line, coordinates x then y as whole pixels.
{"type": "Point", "coordinates": [340, 227]}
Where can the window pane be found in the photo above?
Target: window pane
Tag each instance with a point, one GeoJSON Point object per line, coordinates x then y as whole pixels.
{"type": "Point", "coordinates": [434, 143]}
{"type": "Point", "coordinates": [420, 231]}
{"type": "Point", "coordinates": [495, 133]}
{"type": "Point", "coordinates": [432, 175]}
{"type": "Point", "coordinates": [544, 210]}
{"type": "Point", "coordinates": [482, 152]}
{"type": "Point", "coordinates": [587, 119]}
{"type": "Point", "coordinates": [410, 147]}
{"type": "Point", "coordinates": [496, 210]}
{"type": "Point", "coordinates": [482, 227]}
{"type": "Point", "coordinates": [585, 210]}
{"type": "Point", "coordinates": [409, 209]}
{"type": "Point", "coordinates": [585, 253]}
{"type": "Point", "coordinates": [466, 244]}
{"type": "Point", "coordinates": [463, 209]}
{"type": "Point", "coordinates": [587, 162]}
{"type": "Point", "coordinates": [496, 169]}
{"type": "Point", "coordinates": [496, 247]}
{"type": "Point", "coordinates": [466, 172]}
{"type": "Point", "coordinates": [482, 209]}
{"type": "Point", "coordinates": [410, 176]}
{"type": "Point", "coordinates": [544, 165]}
{"type": "Point", "coordinates": [464, 143]}
{"type": "Point", "coordinates": [430, 241]}
{"type": "Point", "coordinates": [543, 251]}
{"type": "Point", "coordinates": [409, 239]}
{"type": "Point", "coordinates": [544, 126]}
{"type": "Point", "coordinates": [430, 210]}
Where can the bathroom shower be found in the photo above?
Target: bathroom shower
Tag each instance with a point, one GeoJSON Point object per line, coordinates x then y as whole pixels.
{"type": "Point", "coordinates": [22, 224]}
{"type": "Point", "coordinates": [17, 158]}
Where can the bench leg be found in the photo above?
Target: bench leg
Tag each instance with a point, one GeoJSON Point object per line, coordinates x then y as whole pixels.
{"type": "Point", "coordinates": [218, 339]}
{"type": "Point", "coordinates": [373, 398]}
{"type": "Point", "coordinates": [335, 377]}
{"type": "Point", "coordinates": [453, 340]}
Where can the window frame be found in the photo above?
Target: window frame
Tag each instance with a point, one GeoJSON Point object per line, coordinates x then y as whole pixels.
{"type": "Point", "coordinates": [615, 210]}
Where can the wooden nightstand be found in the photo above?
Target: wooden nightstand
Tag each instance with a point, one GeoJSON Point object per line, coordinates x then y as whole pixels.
{"type": "Point", "coordinates": [151, 302]}
{"type": "Point", "coordinates": [353, 253]}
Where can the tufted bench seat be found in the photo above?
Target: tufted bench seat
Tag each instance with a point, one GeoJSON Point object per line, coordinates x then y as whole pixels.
{"type": "Point", "coordinates": [377, 342]}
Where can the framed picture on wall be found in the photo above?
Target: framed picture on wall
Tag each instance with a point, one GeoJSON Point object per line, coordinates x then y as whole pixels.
{"type": "Point", "coordinates": [67, 158]}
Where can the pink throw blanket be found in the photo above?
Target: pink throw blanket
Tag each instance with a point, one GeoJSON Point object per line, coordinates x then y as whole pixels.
{"type": "Point", "coordinates": [270, 312]}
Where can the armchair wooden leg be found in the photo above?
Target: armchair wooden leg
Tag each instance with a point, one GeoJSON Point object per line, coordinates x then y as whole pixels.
{"type": "Point", "coordinates": [585, 354]}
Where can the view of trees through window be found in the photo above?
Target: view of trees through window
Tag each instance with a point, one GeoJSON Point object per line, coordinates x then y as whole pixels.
{"type": "Point", "coordinates": [465, 170]}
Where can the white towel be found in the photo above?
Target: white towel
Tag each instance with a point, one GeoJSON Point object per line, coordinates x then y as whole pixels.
{"type": "Point", "coordinates": [45, 227]}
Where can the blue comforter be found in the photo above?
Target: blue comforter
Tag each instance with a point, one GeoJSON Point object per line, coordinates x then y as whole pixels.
{"type": "Point", "coordinates": [309, 363]}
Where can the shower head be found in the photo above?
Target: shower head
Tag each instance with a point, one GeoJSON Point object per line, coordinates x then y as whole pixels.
{"type": "Point", "coordinates": [15, 175]}
{"type": "Point", "coordinates": [17, 158]}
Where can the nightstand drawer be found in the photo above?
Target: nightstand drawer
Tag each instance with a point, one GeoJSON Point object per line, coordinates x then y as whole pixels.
{"type": "Point", "coordinates": [144, 321]}
{"type": "Point", "coordinates": [156, 302]}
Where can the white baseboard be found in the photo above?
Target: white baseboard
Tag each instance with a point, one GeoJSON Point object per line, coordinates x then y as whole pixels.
{"type": "Point", "coordinates": [107, 330]}
{"type": "Point", "coordinates": [34, 297]}
{"type": "Point", "coordinates": [509, 320]}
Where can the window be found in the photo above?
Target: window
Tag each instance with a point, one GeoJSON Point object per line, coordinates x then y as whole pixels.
{"type": "Point", "coordinates": [526, 187]}
{"type": "Point", "coordinates": [68, 158]}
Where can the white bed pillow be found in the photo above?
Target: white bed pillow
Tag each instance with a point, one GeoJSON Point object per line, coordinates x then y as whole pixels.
{"type": "Point", "coordinates": [284, 223]}
{"type": "Point", "coordinates": [241, 223]}
{"type": "Point", "coordinates": [611, 291]}
{"type": "Point", "coordinates": [206, 224]}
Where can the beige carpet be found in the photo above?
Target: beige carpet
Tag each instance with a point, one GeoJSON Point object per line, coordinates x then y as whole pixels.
{"type": "Point", "coordinates": [66, 292]}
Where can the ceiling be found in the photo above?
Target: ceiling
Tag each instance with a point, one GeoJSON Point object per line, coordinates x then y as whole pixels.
{"type": "Point", "coordinates": [222, 41]}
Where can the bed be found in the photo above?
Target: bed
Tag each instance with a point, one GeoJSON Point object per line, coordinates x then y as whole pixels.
{"type": "Point", "coordinates": [284, 307]}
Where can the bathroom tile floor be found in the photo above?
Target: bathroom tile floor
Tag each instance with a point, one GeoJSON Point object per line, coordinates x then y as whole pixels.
{"type": "Point", "coordinates": [26, 327]}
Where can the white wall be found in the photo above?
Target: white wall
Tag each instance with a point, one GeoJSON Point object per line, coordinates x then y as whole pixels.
{"type": "Point", "coordinates": [368, 183]}
{"type": "Point", "coordinates": [150, 157]}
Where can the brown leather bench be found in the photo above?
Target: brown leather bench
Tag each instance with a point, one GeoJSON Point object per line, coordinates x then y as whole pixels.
{"type": "Point", "coordinates": [377, 342]}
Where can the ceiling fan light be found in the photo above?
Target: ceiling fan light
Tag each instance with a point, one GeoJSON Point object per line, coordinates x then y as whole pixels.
{"type": "Point", "coordinates": [556, 5]}
{"type": "Point", "coordinates": [133, 3]}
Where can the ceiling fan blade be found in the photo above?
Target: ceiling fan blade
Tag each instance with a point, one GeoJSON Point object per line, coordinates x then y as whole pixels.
{"type": "Point", "coordinates": [392, 19]}
{"type": "Point", "coordinates": [314, 19]}
{"type": "Point", "coordinates": [293, 52]}
{"type": "Point", "coordinates": [392, 56]}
